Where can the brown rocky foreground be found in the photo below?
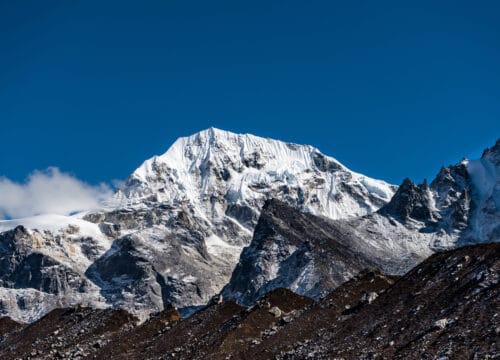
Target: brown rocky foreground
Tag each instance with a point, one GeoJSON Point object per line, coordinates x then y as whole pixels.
{"type": "Point", "coordinates": [445, 308]}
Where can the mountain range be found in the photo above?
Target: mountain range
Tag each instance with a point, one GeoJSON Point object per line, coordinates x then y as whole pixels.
{"type": "Point", "coordinates": [224, 215]}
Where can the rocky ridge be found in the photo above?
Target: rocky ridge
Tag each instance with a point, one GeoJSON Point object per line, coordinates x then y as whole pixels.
{"type": "Point", "coordinates": [446, 308]}
{"type": "Point", "coordinates": [307, 254]}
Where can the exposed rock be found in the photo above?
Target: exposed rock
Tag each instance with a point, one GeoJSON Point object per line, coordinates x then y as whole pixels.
{"type": "Point", "coordinates": [394, 325]}
{"type": "Point", "coordinates": [425, 314]}
{"type": "Point", "coordinates": [304, 253]}
{"type": "Point", "coordinates": [410, 201]}
{"type": "Point", "coordinates": [441, 323]}
{"type": "Point", "coordinates": [369, 297]}
{"type": "Point", "coordinates": [275, 311]}
{"type": "Point", "coordinates": [7, 327]}
{"type": "Point", "coordinates": [66, 333]}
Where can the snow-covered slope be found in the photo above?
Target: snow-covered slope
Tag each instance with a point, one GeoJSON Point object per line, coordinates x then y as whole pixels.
{"type": "Point", "coordinates": [484, 223]}
{"type": "Point", "coordinates": [174, 232]}
{"type": "Point", "coordinates": [461, 206]}
{"type": "Point", "coordinates": [196, 207]}
{"type": "Point", "coordinates": [225, 174]}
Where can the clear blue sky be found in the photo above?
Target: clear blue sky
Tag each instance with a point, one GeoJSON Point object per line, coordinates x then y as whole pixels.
{"type": "Point", "coordinates": [391, 89]}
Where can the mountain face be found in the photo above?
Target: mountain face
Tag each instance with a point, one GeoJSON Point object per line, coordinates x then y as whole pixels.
{"type": "Point", "coordinates": [174, 232]}
{"type": "Point", "coordinates": [185, 216]}
{"type": "Point", "coordinates": [460, 206]}
{"type": "Point", "coordinates": [41, 269]}
{"type": "Point", "coordinates": [307, 254]}
{"type": "Point", "coordinates": [225, 175]}
{"type": "Point", "coordinates": [311, 255]}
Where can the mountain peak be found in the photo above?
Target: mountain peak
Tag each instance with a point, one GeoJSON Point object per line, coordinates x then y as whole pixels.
{"type": "Point", "coordinates": [227, 146]}
{"type": "Point", "coordinates": [493, 153]}
{"type": "Point", "coordinates": [410, 201]}
{"type": "Point", "coordinates": [212, 136]}
{"type": "Point", "coordinates": [212, 133]}
{"type": "Point", "coordinates": [245, 170]}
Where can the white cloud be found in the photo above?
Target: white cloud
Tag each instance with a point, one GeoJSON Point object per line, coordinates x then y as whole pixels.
{"type": "Point", "coordinates": [49, 191]}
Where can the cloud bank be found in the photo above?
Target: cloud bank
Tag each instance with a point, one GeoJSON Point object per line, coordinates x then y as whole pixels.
{"type": "Point", "coordinates": [49, 191]}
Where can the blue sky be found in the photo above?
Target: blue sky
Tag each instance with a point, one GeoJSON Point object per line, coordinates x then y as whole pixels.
{"type": "Point", "coordinates": [390, 88]}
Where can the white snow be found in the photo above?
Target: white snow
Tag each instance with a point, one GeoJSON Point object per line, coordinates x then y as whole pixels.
{"type": "Point", "coordinates": [485, 176]}
{"type": "Point", "coordinates": [55, 224]}
{"type": "Point", "coordinates": [191, 170]}
{"type": "Point", "coordinates": [486, 179]}
{"type": "Point", "coordinates": [218, 247]}
{"type": "Point", "coordinates": [62, 237]}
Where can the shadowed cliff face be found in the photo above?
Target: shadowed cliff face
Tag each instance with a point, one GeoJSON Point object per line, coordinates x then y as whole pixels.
{"type": "Point", "coordinates": [410, 201]}
{"type": "Point", "coordinates": [305, 253]}
{"type": "Point", "coordinates": [21, 267]}
{"type": "Point", "coordinates": [445, 205]}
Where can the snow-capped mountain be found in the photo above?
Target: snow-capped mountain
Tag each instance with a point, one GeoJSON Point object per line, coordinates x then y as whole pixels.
{"type": "Point", "coordinates": [174, 232]}
{"type": "Point", "coordinates": [213, 169]}
{"type": "Point", "coordinates": [196, 207]}
{"type": "Point", "coordinates": [461, 206]}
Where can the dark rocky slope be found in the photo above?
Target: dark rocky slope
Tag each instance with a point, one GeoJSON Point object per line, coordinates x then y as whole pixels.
{"type": "Point", "coordinates": [445, 308]}
{"type": "Point", "coordinates": [220, 330]}
{"type": "Point", "coordinates": [66, 334]}
{"type": "Point", "coordinates": [307, 254]}
{"type": "Point", "coordinates": [135, 342]}
{"type": "Point", "coordinates": [345, 299]}
{"type": "Point", "coordinates": [8, 327]}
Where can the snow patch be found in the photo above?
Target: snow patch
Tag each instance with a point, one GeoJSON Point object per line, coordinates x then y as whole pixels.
{"type": "Point", "coordinates": [55, 224]}
{"type": "Point", "coordinates": [218, 247]}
